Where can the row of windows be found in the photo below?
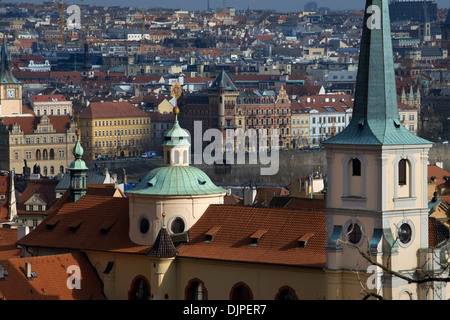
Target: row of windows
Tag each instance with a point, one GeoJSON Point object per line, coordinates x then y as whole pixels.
{"type": "Point", "coordinates": [258, 111]}
{"type": "Point", "coordinates": [302, 120]}
{"type": "Point", "coordinates": [51, 139]}
{"type": "Point", "coordinates": [122, 143]}
{"type": "Point", "coordinates": [196, 290]}
{"type": "Point", "coordinates": [402, 170]}
{"type": "Point", "coordinates": [58, 112]}
{"type": "Point", "coordinates": [119, 132]}
{"type": "Point", "coordinates": [329, 119]}
{"type": "Point", "coordinates": [44, 155]}
{"type": "Point", "coordinates": [261, 121]}
{"type": "Point", "coordinates": [119, 122]}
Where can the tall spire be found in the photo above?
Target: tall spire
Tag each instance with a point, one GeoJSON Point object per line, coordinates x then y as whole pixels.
{"type": "Point", "coordinates": [6, 75]}
{"type": "Point", "coordinates": [375, 118]}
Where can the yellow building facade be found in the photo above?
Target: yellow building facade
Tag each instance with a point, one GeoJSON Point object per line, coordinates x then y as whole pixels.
{"type": "Point", "coordinates": [114, 129]}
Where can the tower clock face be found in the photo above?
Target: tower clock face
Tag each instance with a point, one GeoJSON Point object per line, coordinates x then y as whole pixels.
{"type": "Point", "coordinates": [10, 93]}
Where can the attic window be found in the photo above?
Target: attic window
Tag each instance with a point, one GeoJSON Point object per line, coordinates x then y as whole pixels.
{"type": "Point", "coordinates": [211, 233]}
{"type": "Point", "coordinates": [304, 239]}
{"type": "Point", "coordinates": [397, 123]}
{"type": "Point", "coordinates": [106, 227]}
{"type": "Point", "coordinates": [50, 225]}
{"type": "Point", "coordinates": [75, 225]}
{"type": "Point", "coordinates": [201, 182]}
{"type": "Point", "coordinates": [256, 237]}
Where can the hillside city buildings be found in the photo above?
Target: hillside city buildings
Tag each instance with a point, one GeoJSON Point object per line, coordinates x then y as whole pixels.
{"type": "Point", "coordinates": [129, 89]}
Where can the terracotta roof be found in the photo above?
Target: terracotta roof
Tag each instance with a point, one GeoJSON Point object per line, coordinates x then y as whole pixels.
{"type": "Point", "coordinates": [278, 245]}
{"type": "Point", "coordinates": [93, 212]}
{"type": "Point", "coordinates": [48, 97]}
{"type": "Point", "coordinates": [232, 199]}
{"type": "Point", "coordinates": [147, 78]}
{"type": "Point", "coordinates": [49, 280]}
{"type": "Point", "coordinates": [8, 247]}
{"type": "Point", "coordinates": [111, 110]}
{"type": "Point", "coordinates": [43, 188]}
{"type": "Point", "coordinates": [29, 124]}
{"type": "Point", "coordinates": [265, 194]}
{"type": "Point", "coordinates": [4, 190]}
{"type": "Point", "coordinates": [438, 172]}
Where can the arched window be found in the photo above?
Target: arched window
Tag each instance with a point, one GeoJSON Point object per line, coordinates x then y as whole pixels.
{"type": "Point", "coordinates": [140, 289]}
{"type": "Point", "coordinates": [241, 291]}
{"type": "Point", "coordinates": [185, 157]}
{"type": "Point", "coordinates": [195, 290]}
{"type": "Point", "coordinates": [52, 154]}
{"type": "Point", "coordinates": [52, 170]}
{"type": "Point", "coordinates": [402, 166]}
{"type": "Point", "coordinates": [354, 233]}
{"type": "Point", "coordinates": [61, 169]}
{"type": "Point", "coordinates": [286, 293]}
{"type": "Point", "coordinates": [38, 154]}
{"type": "Point", "coordinates": [176, 159]}
{"type": "Point", "coordinates": [45, 154]}
{"type": "Point", "coordinates": [356, 167]}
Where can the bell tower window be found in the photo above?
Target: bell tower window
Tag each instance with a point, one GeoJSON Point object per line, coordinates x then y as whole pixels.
{"type": "Point", "coordinates": [356, 167]}
{"type": "Point", "coordinates": [402, 166]}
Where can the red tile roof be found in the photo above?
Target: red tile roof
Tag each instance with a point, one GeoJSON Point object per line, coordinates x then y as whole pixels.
{"type": "Point", "coordinates": [48, 97]}
{"type": "Point", "coordinates": [93, 211]}
{"type": "Point", "coordinates": [4, 190]}
{"type": "Point", "coordinates": [29, 124]}
{"type": "Point", "coordinates": [51, 279]}
{"type": "Point", "coordinates": [8, 247]}
{"type": "Point", "coordinates": [97, 110]}
{"type": "Point", "coordinates": [43, 188]}
{"type": "Point", "coordinates": [278, 245]}
{"type": "Point", "coordinates": [438, 172]}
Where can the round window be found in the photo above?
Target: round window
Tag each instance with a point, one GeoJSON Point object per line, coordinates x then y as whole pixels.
{"type": "Point", "coordinates": [405, 233]}
{"type": "Point", "coordinates": [144, 225]}
{"type": "Point", "coordinates": [354, 233]}
{"type": "Point", "coordinates": [177, 225]}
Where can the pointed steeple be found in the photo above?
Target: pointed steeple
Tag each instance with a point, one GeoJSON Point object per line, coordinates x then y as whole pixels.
{"type": "Point", "coordinates": [163, 246]}
{"type": "Point", "coordinates": [6, 75]}
{"type": "Point", "coordinates": [375, 119]}
{"type": "Point", "coordinates": [223, 82]}
{"type": "Point", "coordinates": [77, 171]}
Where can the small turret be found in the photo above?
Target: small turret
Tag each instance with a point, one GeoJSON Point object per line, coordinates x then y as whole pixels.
{"type": "Point", "coordinates": [77, 171]}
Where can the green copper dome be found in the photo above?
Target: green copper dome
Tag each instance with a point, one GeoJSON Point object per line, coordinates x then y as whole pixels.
{"type": "Point", "coordinates": [176, 181]}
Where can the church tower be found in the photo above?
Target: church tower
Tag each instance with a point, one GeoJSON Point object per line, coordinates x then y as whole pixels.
{"type": "Point", "coordinates": [10, 87]}
{"type": "Point", "coordinates": [377, 178]}
{"type": "Point", "coordinates": [445, 31]}
{"type": "Point", "coordinates": [176, 191]}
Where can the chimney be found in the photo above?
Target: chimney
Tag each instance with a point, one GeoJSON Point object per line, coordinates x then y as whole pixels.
{"type": "Point", "coordinates": [249, 196]}
{"type": "Point", "coordinates": [28, 270]}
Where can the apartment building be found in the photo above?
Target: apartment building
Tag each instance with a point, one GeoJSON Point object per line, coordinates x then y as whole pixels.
{"type": "Point", "coordinates": [55, 104]}
{"type": "Point", "coordinates": [41, 144]}
{"type": "Point", "coordinates": [112, 129]}
{"type": "Point", "coordinates": [328, 115]}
